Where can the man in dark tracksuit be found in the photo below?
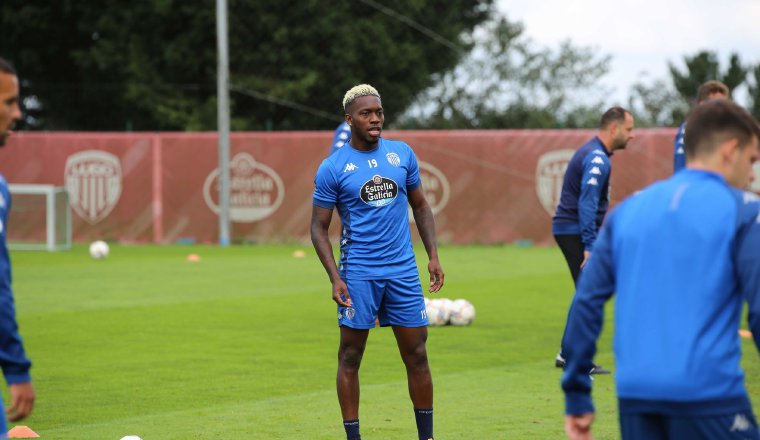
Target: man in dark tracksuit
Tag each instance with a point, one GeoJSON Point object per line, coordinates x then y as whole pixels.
{"type": "Point", "coordinates": [585, 195]}
{"type": "Point", "coordinates": [681, 256]}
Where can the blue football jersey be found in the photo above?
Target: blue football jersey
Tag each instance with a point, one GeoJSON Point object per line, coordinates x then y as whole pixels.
{"type": "Point", "coordinates": [370, 190]}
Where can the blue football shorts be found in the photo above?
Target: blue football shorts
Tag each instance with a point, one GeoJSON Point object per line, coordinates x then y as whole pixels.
{"type": "Point", "coordinates": [396, 302]}
{"type": "Point", "coordinates": [738, 426]}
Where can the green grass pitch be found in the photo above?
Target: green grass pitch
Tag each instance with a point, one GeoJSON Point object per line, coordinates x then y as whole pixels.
{"type": "Point", "coordinates": [242, 345]}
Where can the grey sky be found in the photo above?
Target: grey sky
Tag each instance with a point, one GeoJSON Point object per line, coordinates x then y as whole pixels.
{"type": "Point", "coordinates": [643, 36]}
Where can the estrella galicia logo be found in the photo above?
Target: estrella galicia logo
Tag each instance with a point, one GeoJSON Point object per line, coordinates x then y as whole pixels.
{"type": "Point", "coordinates": [379, 191]}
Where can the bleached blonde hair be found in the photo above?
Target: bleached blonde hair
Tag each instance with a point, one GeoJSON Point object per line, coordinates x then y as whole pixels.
{"type": "Point", "coordinates": [357, 92]}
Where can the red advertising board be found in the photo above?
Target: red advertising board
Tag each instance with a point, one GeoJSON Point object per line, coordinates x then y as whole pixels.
{"type": "Point", "coordinates": [485, 186]}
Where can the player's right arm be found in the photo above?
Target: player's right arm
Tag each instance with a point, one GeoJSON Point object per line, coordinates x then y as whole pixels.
{"type": "Point", "coordinates": [22, 401]}
{"type": "Point", "coordinates": [584, 324]}
{"type": "Point", "coordinates": [325, 198]}
{"type": "Point", "coordinates": [320, 224]}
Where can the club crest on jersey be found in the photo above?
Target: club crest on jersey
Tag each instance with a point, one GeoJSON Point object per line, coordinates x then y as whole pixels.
{"type": "Point", "coordinates": [393, 159]}
{"type": "Point", "coordinates": [379, 191]}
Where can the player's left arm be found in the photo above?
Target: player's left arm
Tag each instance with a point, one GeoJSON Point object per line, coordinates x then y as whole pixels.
{"type": "Point", "coordinates": [596, 173]}
{"type": "Point", "coordinates": [423, 217]}
{"type": "Point", "coordinates": [15, 364]}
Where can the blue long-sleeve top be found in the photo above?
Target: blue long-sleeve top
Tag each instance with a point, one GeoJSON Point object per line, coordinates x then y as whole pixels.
{"type": "Point", "coordinates": [584, 198]}
{"type": "Point", "coordinates": [679, 155]}
{"type": "Point", "coordinates": [13, 360]}
{"type": "Point", "coordinates": [341, 137]}
{"type": "Point", "coordinates": [681, 257]}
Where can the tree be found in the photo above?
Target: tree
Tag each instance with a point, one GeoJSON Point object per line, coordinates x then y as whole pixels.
{"type": "Point", "coordinates": [702, 67]}
{"type": "Point", "coordinates": [151, 64]}
{"type": "Point", "coordinates": [657, 104]}
{"type": "Point", "coordinates": [754, 92]}
{"type": "Point", "coordinates": [507, 82]}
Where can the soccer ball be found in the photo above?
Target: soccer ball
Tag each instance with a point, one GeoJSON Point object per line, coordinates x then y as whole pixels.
{"type": "Point", "coordinates": [435, 312]}
{"type": "Point", "coordinates": [462, 313]}
{"type": "Point", "coordinates": [447, 306]}
{"type": "Point", "coordinates": [131, 437]}
{"type": "Point", "coordinates": [99, 249]}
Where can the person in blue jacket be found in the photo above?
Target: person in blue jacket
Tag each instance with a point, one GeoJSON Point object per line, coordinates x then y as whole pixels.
{"type": "Point", "coordinates": [341, 137]}
{"type": "Point", "coordinates": [585, 195]}
{"type": "Point", "coordinates": [681, 256]}
{"type": "Point", "coordinates": [709, 90]}
{"type": "Point", "coordinates": [13, 360]}
{"type": "Point", "coordinates": [371, 182]}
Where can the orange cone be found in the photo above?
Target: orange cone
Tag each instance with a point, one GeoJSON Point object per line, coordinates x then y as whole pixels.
{"type": "Point", "coordinates": [22, 432]}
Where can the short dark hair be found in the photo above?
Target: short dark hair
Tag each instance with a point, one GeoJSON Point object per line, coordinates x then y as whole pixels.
{"type": "Point", "coordinates": [6, 66]}
{"type": "Point", "coordinates": [716, 121]}
{"type": "Point", "coordinates": [613, 114]}
{"type": "Point", "coordinates": [709, 88]}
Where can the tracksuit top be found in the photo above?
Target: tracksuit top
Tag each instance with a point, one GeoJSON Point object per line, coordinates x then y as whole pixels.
{"type": "Point", "coordinates": [341, 137]}
{"type": "Point", "coordinates": [679, 155]}
{"type": "Point", "coordinates": [585, 193]}
{"type": "Point", "coordinates": [370, 190]}
{"type": "Point", "coordinates": [13, 360]}
{"type": "Point", "coordinates": [681, 257]}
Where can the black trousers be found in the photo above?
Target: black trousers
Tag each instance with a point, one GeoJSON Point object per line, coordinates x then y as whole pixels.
{"type": "Point", "coordinates": [572, 248]}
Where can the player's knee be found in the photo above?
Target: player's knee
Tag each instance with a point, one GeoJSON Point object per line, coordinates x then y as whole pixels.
{"type": "Point", "coordinates": [350, 357]}
{"type": "Point", "coordinates": [417, 357]}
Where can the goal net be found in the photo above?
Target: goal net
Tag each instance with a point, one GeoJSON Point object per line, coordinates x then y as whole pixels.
{"type": "Point", "coordinates": [40, 218]}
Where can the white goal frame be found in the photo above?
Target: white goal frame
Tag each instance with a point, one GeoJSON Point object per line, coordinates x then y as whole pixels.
{"type": "Point", "coordinates": [49, 191]}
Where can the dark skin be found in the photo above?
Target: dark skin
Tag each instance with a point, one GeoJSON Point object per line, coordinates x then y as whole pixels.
{"type": "Point", "coordinates": [365, 116]}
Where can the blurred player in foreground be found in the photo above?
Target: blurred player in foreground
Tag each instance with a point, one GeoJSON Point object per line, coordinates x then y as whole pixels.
{"type": "Point", "coordinates": [682, 256]}
{"type": "Point", "coordinates": [13, 360]}
{"type": "Point", "coordinates": [371, 182]}
{"type": "Point", "coordinates": [585, 196]}
{"type": "Point", "coordinates": [707, 91]}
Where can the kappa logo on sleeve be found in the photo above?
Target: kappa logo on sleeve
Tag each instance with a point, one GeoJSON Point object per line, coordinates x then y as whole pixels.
{"type": "Point", "coordinates": [598, 160]}
{"type": "Point", "coordinates": [595, 170]}
{"type": "Point", "coordinates": [349, 167]}
{"type": "Point", "coordinates": [592, 181]}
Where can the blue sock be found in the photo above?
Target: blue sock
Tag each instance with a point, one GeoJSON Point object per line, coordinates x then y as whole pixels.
{"type": "Point", "coordinates": [424, 418]}
{"type": "Point", "coordinates": [352, 429]}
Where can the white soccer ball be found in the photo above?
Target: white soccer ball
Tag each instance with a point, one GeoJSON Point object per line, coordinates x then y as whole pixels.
{"type": "Point", "coordinates": [462, 313]}
{"type": "Point", "coordinates": [435, 313]}
{"type": "Point", "coordinates": [131, 437]}
{"type": "Point", "coordinates": [447, 306]}
{"type": "Point", "coordinates": [99, 249]}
